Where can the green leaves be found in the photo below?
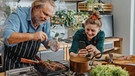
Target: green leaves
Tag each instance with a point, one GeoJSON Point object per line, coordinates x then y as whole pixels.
{"type": "Point", "coordinates": [68, 18]}
{"type": "Point", "coordinates": [94, 5]}
{"type": "Point", "coordinates": [56, 34]}
{"type": "Point", "coordinates": [108, 70]}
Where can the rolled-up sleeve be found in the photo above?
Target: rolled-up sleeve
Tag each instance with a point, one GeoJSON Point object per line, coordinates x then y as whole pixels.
{"type": "Point", "coordinates": [12, 25]}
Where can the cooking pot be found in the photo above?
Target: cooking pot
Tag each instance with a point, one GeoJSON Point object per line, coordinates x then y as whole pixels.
{"type": "Point", "coordinates": [82, 64]}
{"type": "Point", "coordinates": [79, 64]}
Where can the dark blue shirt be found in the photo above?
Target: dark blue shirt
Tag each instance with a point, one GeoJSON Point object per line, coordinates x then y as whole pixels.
{"type": "Point", "coordinates": [80, 35]}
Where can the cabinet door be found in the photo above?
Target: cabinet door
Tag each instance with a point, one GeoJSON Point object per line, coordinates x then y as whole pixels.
{"type": "Point", "coordinates": [53, 56]}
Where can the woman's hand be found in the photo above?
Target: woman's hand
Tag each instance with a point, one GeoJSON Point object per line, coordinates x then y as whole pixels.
{"type": "Point", "coordinates": [91, 48]}
{"type": "Point", "coordinates": [82, 52]}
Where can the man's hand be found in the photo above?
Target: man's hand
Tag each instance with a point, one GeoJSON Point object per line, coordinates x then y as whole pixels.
{"type": "Point", "coordinates": [40, 36]}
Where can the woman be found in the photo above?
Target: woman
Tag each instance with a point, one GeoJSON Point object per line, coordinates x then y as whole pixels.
{"type": "Point", "coordinates": [91, 35]}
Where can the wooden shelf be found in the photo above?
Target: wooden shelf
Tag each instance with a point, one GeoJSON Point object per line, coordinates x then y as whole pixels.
{"type": "Point", "coordinates": [117, 44]}
{"type": "Point", "coordinates": [73, 0]}
{"type": "Point", "coordinates": [106, 7]}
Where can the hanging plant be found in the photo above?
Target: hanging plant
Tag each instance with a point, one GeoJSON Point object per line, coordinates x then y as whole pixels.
{"type": "Point", "coordinates": [93, 5]}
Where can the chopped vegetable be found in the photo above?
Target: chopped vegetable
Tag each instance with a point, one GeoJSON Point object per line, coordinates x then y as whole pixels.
{"type": "Point", "coordinates": [108, 70]}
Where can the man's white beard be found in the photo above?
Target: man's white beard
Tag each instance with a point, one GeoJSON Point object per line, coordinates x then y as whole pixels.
{"type": "Point", "coordinates": [38, 22]}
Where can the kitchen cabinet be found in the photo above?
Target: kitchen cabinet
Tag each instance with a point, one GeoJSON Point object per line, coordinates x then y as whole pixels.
{"type": "Point", "coordinates": [46, 54]}
{"type": "Point", "coordinates": [53, 56]}
{"type": "Point", "coordinates": [117, 44]}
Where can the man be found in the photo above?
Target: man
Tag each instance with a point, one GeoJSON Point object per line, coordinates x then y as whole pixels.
{"type": "Point", "coordinates": [27, 27]}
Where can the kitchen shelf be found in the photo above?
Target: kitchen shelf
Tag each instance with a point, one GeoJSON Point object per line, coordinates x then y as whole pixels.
{"type": "Point", "coordinates": [73, 0]}
{"type": "Point", "coordinates": [106, 7]}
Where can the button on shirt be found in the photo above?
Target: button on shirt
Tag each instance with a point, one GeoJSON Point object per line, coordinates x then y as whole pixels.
{"type": "Point", "coordinates": [80, 35]}
{"type": "Point", "coordinates": [18, 22]}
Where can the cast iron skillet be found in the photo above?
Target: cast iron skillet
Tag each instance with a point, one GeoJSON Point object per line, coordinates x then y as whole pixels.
{"type": "Point", "coordinates": [42, 69]}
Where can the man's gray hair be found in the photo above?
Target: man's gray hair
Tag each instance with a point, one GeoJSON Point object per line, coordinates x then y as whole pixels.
{"type": "Point", "coordinates": [41, 3]}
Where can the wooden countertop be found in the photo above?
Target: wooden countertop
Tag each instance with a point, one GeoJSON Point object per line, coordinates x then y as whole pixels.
{"type": "Point", "coordinates": [122, 63]}
{"type": "Point", "coordinates": [128, 64]}
{"type": "Point", "coordinates": [2, 74]}
{"type": "Point", "coordinates": [67, 45]}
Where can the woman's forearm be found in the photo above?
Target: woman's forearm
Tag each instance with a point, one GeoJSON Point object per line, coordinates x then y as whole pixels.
{"type": "Point", "coordinates": [73, 54]}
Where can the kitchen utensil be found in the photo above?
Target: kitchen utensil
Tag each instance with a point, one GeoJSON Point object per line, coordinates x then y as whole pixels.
{"type": "Point", "coordinates": [111, 58]}
{"type": "Point", "coordinates": [39, 66]}
{"type": "Point", "coordinates": [79, 64]}
{"type": "Point", "coordinates": [83, 64]}
{"type": "Point", "coordinates": [24, 60]}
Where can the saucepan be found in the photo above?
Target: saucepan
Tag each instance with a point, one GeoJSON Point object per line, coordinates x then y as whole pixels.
{"type": "Point", "coordinates": [82, 64]}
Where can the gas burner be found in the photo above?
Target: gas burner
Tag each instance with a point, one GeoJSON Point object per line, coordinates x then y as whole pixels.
{"type": "Point", "coordinates": [70, 73]}
{"type": "Point", "coordinates": [82, 74]}
{"type": "Point", "coordinates": [30, 71]}
{"type": "Point", "coordinates": [27, 71]}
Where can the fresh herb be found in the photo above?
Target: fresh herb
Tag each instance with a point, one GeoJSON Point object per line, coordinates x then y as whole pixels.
{"type": "Point", "coordinates": [108, 70]}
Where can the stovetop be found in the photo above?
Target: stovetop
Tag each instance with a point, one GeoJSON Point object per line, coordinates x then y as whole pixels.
{"type": "Point", "coordinates": [27, 71]}
{"type": "Point", "coordinates": [31, 71]}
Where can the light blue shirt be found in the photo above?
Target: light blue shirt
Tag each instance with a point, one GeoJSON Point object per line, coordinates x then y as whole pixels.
{"type": "Point", "coordinates": [18, 22]}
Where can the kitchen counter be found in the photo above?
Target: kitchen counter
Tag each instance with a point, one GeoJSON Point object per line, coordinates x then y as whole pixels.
{"type": "Point", "coordinates": [128, 63]}
{"type": "Point", "coordinates": [62, 45]}
{"type": "Point", "coordinates": [2, 74]}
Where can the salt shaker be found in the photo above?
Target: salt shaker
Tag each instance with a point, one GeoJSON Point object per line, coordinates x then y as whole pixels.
{"type": "Point", "coordinates": [53, 45]}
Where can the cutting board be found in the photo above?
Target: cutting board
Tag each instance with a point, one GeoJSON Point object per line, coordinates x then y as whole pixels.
{"type": "Point", "coordinates": [128, 64]}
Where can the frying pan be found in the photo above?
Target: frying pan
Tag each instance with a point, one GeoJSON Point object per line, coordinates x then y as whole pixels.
{"type": "Point", "coordinates": [38, 65]}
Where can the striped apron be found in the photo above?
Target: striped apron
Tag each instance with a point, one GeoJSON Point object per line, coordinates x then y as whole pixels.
{"type": "Point", "coordinates": [12, 55]}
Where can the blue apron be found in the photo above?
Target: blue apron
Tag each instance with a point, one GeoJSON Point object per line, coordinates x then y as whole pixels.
{"type": "Point", "coordinates": [12, 55]}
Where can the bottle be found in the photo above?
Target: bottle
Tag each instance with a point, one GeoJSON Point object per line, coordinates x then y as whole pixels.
{"type": "Point", "coordinates": [53, 45]}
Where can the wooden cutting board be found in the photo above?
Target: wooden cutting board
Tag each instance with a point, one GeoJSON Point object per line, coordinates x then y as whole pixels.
{"type": "Point", "coordinates": [128, 64]}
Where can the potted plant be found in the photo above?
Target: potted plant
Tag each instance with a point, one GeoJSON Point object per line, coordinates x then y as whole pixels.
{"type": "Point", "coordinates": [69, 19]}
